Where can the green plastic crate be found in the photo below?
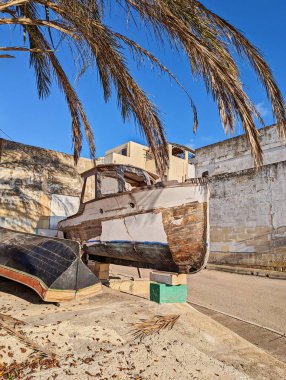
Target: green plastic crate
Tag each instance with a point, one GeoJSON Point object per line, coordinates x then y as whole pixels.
{"type": "Point", "coordinates": [162, 293]}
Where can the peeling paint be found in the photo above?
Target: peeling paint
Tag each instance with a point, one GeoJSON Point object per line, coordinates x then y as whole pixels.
{"type": "Point", "coordinates": [162, 226]}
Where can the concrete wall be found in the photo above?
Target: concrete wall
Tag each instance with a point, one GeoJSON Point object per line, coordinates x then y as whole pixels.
{"type": "Point", "coordinates": [247, 206]}
{"type": "Point", "coordinates": [248, 218]}
{"type": "Point", "coordinates": [234, 154]}
{"type": "Point", "coordinates": [38, 187]}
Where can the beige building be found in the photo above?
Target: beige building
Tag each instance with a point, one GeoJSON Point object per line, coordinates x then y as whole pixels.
{"type": "Point", "coordinates": [131, 153]}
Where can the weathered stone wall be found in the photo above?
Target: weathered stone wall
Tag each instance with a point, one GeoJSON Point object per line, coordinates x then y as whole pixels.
{"type": "Point", "coordinates": [234, 154]}
{"type": "Point", "coordinates": [248, 218]}
{"type": "Point", "coordinates": [38, 187]}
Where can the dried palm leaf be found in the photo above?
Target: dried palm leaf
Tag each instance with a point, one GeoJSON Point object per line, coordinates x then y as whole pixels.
{"type": "Point", "coordinates": [25, 21]}
{"type": "Point", "coordinates": [147, 327]}
{"type": "Point", "coordinates": [186, 25]}
{"type": "Point", "coordinates": [10, 325]}
{"type": "Point", "coordinates": [41, 357]}
{"type": "Point", "coordinates": [22, 48]}
{"type": "Point", "coordinates": [7, 56]}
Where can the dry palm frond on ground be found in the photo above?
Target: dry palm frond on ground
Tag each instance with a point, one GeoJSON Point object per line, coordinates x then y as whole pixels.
{"type": "Point", "coordinates": [41, 357]}
{"type": "Point", "coordinates": [186, 26]}
{"type": "Point", "coordinates": [11, 326]}
{"type": "Point", "coordinates": [148, 327]}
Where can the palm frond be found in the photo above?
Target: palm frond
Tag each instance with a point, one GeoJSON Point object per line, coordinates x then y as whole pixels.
{"type": "Point", "coordinates": [11, 326]}
{"type": "Point", "coordinates": [187, 26]}
{"type": "Point", "coordinates": [218, 71]}
{"type": "Point", "coordinates": [39, 62]}
{"type": "Point", "coordinates": [131, 99]}
{"type": "Point", "coordinates": [4, 7]}
{"type": "Point", "coordinates": [139, 53]}
{"type": "Point", "coordinates": [152, 326]}
{"type": "Point", "coordinates": [75, 106]}
{"type": "Point", "coordinates": [41, 356]}
{"type": "Point", "coordinates": [7, 56]}
{"type": "Point", "coordinates": [246, 49]}
{"type": "Point", "coordinates": [50, 24]}
{"type": "Point", "coordinates": [22, 48]}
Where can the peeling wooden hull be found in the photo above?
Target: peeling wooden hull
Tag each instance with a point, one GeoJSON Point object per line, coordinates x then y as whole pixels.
{"type": "Point", "coordinates": [51, 267]}
{"type": "Point", "coordinates": [164, 228]}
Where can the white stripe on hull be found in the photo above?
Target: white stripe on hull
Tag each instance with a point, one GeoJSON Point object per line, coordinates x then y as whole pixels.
{"type": "Point", "coordinates": [143, 200]}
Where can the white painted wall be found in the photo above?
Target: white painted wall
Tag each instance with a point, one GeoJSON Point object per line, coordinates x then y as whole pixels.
{"type": "Point", "coordinates": [248, 216]}
{"type": "Point", "coordinates": [234, 154]}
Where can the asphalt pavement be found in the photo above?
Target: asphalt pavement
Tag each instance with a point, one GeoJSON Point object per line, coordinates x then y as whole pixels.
{"type": "Point", "coordinates": [252, 307]}
{"type": "Point", "coordinates": [259, 300]}
{"type": "Point", "coordinates": [255, 299]}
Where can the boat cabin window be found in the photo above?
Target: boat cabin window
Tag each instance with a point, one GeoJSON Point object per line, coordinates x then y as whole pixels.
{"type": "Point", "coordinates": [89, 189]}
{"type": "Point", "coordinates": [107, 181]}
{"type": "Point", "coordinates": [133, 180]}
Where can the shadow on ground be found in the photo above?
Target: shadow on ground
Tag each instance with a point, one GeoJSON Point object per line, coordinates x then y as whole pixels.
{"type": "Point", "coordinates": [20, 291]}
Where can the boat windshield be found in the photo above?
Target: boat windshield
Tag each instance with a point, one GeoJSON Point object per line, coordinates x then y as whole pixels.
{"type": "Point", "coordinates": [106, 180]}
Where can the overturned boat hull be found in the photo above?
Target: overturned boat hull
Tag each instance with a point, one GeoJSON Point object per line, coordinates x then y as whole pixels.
{"type": "Point", "coordinates": [164, 226]}
{"type": "Point", "coordinates": [52, 267]}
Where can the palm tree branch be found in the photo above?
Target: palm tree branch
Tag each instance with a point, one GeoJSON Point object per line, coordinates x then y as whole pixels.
{"type": "Point", "coordinates": [131, 98]}
{"type": "Point", "coordinates": [5, 6]}
{"type": "Point", "coordinates": [134, 47]}
{"type": "Point", "coordinates": [51, 24]}
{"type": "Point", "coordinates": [75, 106]}
{"type": "Point", "coordinates": [20, 48]}
{"type": "Point", "coordinates": [7, 56]}
{"type": "Point", "coordinates": [187, 25]}
{"type": "Point", "coordinates": [219, 79]}
{"type": "Point", "coordinates": [246, 49]}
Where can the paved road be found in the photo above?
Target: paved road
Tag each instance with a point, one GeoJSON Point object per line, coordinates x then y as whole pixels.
{"type": "Point", "coordinates": [255, 299]}
{"type": "Point", "coordinates": [258, 300]}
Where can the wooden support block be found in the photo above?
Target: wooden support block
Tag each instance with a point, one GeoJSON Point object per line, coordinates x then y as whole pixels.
{"type": "Point", "coordinates": [101, 267]}
{"type": "Point", "coordinates": [103, 275]}
{"type": "Point", "coordinates": [100, 270]}
{"type": "Point", "coordinates": [138, 287]}
{"type": "Point", "coordinates": [168, 278]}
{"type": "Point", "coordinates": [162, 293]}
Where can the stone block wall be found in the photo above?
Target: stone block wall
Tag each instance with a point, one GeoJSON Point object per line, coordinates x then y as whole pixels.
{"type": "Point", "coordinates": [38, 187]}
{"type": "Point", "coordinates": [248, 218]}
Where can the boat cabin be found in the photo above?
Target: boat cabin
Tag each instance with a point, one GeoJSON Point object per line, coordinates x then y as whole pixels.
{"type": "Point", "coordinates": [106, 180]}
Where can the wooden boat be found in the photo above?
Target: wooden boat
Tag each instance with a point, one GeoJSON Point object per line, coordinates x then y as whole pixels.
{"type": "Point", "coordinates": [52, 267]}
{"type": "Point", "coordinates": [128, 218]}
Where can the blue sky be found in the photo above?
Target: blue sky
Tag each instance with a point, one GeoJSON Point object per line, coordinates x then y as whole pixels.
{"type": "Point", "coordinates": [47, 123]}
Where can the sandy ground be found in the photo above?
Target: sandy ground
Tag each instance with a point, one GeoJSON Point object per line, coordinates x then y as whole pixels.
{"type": "Point", "coordinates": [92, 339]}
